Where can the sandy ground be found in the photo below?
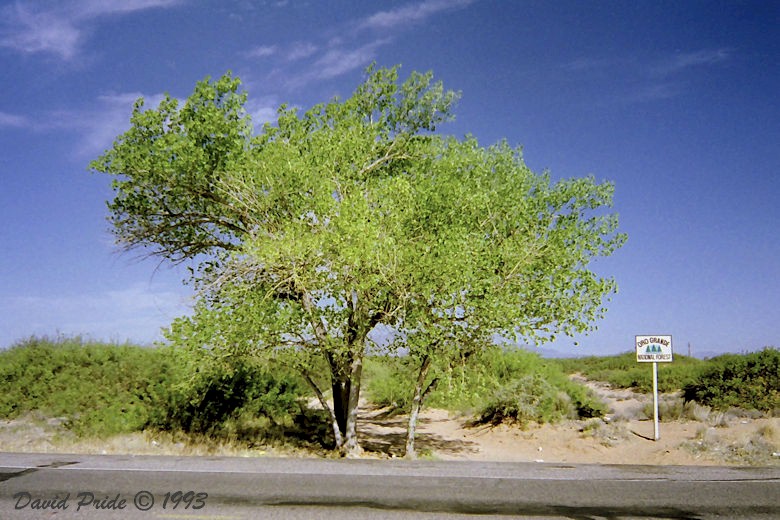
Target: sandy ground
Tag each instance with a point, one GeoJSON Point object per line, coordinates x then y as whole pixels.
{"type": "Point", "coordinates": [623, 437]}
{"type": "Point", "coordinates": [620, 438]}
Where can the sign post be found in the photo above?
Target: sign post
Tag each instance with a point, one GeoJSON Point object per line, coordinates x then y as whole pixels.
{"type": "Point", "coordinates": [654, 349]}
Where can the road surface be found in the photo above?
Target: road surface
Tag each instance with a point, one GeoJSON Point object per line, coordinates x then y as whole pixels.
{"type": "Point", "coordinates": [222, 488]}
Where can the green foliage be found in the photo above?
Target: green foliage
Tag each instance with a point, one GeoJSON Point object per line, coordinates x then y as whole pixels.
{"type": "Point", "coordinates": [105, 389]}
{"type": "Point", "coordinates": [387, 381]}
{"type": "Point", "coordinates": [750, 381]}
{"type": "Point", "coordinates": [102, 389]}
{"type": "Point", "coordinates": [224, 394]}
{"type": "Point", "coordinates": [530, 398]}
{"type": "Point", "coordinates": [623, 371]}
{"type": "Point", "coordinates": [353, 214]}
{"type": "Point", "coordinates": [496, 384]}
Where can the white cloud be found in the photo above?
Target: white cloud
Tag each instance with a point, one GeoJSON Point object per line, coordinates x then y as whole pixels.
{"type": "Point", "coordinates": [262, 51]}
{"type": "Point", "coordinates": [300, 50]}
{"type": "Point", "coordinates": [296, 51]}
{"type": "Point", "coordinates": [58, 27]}
{"type": "Point", "coordinates": [336, 62]}
{"type": "Point", "coordinates": [13, 120]}
{"type": "Point", "coordinates": [108, 120]}
{"type": "Point", "coordinates": [86, 9]}
{"type": "Point", "coordinates": [261, 111]}
{"type": "Point", "coordinates": [346, 52]}
{"type": "Point", "coordinates": [95, 127]}
{"type": "Point", "coordinates": [29, 32]}
{"type": "Point", "coordinates": [412, 13]}
{"type": "Point", "coordinates": [99, 126]}
{"type": "Point", "coordinates": [686, 60]}
{"type": "Point", "coordinates": [643, 79]}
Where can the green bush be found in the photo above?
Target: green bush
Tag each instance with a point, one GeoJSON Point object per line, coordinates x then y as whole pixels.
{"type": "Point", "coordinates": [104, 389]}
{"type": "Point", "coordinates": [669, 409]}
{"type": "Point", "coordinates": [495, 384]}
{"type": "Point", "coordinates": [623, 371]}
{"type": "Point", "coordinates": [101, 389]}
{"type": "Point", "coordinates": [388, 381]}
{"type": "Point", "coordinates": [750, 381]}
{"type": "Point", "coordinates": [530, 398]}
{"type": "Point", "coordinates": [216, 398]}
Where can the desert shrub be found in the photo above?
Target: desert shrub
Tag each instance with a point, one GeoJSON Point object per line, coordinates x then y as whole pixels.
{"type": "Point", "coordinates": [670, 408]}
{"type": "Point", "coordinates": [234, 397]}
{"type": "Point", "coordinates": [101, 389]}
{"type": "Point", "coordinates": [388, 381]}
{"type": "Point", "coordinates": [750, 381]}
{"type": "Point", "coordinates": [758, 449]}
{"type": "Point", "coordinates": [495, 384]}
{"type": "Point", "coordinates": [623, 371]}
{"type": "Point", "coordinates": [207, 401]}
{"type": "Point", "coordinates": [530, 398]}
{"type": "Point", "coordinates": [606, 433]}
{"type": "Point", "coordinates": [106, 389]}
{"type": "Point", "coordinates": [694, 411]}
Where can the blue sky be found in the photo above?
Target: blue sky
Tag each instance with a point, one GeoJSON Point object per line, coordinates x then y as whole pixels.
{"type": "Point", "coordinates": [675, 102]}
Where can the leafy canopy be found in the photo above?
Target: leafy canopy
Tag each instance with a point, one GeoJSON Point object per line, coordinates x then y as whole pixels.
{"type": "Point", "coordinates": [314, 230]}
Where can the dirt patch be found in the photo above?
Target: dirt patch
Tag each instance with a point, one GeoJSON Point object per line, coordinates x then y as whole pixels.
{"type": "Point", "coordinates": [447, 437]}
{"type": "Point", "coordinates": [624, 436]}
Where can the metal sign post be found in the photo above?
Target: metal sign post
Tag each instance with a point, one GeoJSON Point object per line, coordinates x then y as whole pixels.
{"type": "Point", "coordinates": [654, 349]}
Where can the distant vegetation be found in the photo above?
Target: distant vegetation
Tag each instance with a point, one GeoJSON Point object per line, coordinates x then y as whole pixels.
{"type": "Point", "coordinates": [623, 371]}
{"type": "Point", "coordinates": [104, 389]}
{"type": "Point", "coordinates": [499, 385]}
{"type": "Point", "coordinates": [749, 381]}
{"type": "Point", "coordinates": [99, 389]}
{"type": "Point", "coordinates": [734, 380]}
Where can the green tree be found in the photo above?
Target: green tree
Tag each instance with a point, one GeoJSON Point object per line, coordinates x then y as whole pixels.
{"type": "Point", "coordinates": [353, 214]}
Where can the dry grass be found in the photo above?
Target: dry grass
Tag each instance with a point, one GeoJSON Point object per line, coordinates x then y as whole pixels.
{"type": "Point", "coordinates": [758, 447]}
{"type": "Point", "coordinates": [606, 433]}
{"type": "Point", "coordinates": [34, 433]}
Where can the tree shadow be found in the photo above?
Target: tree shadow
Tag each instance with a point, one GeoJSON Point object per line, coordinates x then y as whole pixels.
{"type": "Point", "coordinates": [383, 432]}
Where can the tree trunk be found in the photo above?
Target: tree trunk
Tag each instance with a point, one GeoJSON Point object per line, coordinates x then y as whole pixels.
{"type": "Point", "coordinates": [351, 445]}
{"type": "Point", "coordinates": [341, 386]}
{"type": "Point", "coordinates": [419, 395]}
{"type": "Point", "coordinates": [337, 435]}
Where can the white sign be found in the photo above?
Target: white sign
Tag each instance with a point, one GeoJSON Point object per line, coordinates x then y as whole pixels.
{"type": "Point", "coordinates": [654, 349]}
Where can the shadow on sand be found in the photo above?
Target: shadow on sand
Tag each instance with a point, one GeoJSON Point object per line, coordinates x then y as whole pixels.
{"type": "Point", "coordinates": [383, 433]}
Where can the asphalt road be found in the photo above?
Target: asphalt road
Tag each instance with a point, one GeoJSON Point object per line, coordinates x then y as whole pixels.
{"type": "Point", "coordinates": [221, 488]}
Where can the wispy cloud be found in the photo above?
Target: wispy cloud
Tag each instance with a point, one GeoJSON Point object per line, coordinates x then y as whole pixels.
{"type": "Point", "coordinates": [13, 121]}
{"type": "Point", "coordinates": [95, 127]}
{"type": "Point", "coordinates": [687, 60]}
{"type": "Point", "coordinates": [261, 110]}
{"type": "Point", "coordinates": [290, 53]}
{"type": "Point", "coordinates": [654, 92]}
{"type": "Point", "coordinates": [107, 120]}
{"type": "Point", "coordinates": [643, 79]}
{"type": "Point", "coordinates": [336, 62]}
{"type": "Point", "coordinates": [300, 50]}
{"type": "Point", "coordinates": [135, 313]}
{"type": "Point", "coordinates": [353, 45]}
{"type": "Point", "coordinates": [59, 27]}
{"type": "Point", "coordinates": [411, 13]}
{"type": "Point", "coordinates": [263, 51]}
{"type": "Point", "coordinates": [29, 31]}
